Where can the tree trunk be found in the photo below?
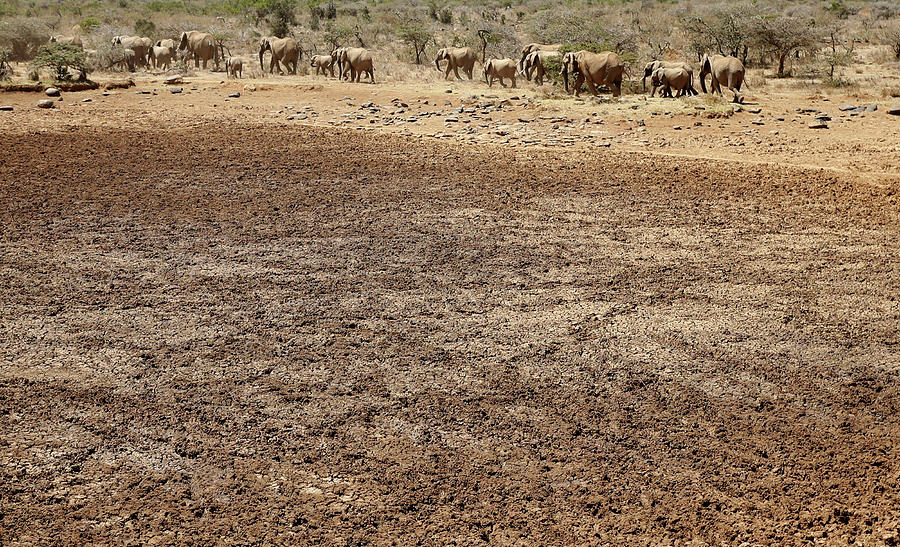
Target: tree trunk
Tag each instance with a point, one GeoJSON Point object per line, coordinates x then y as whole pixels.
{"type": "Point", "coordinates": [781, 58]}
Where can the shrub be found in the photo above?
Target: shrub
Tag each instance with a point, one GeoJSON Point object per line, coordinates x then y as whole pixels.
{"type": "Point", "coordinates": [88, 24]}
{"type": "Point", "coordinates": [23, 37]}
{"type": "Point", "coordinates": [281, 17]}
{"type": "Point", "coordinates": [336, 35]}
{"type": "Point", "coordinates": [60, 58]}
{"type": "Point", "coordinates": [5, 69]}
{"type": "Point", "coordinates": [416, 36]}
{"type": "Point", "coordinates": [890, 36]}
{"type": "Point", "coordinates": [143, 27]}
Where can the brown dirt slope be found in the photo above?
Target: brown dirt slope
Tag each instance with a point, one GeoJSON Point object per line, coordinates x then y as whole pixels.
{"type": "Point", "coordinates": [307, 334]}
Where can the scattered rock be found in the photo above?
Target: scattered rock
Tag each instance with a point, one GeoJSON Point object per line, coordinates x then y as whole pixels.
{"type": "Point", "coordinates": [677, 128]}
{"type": "Point", "coordinates": [175, 79]}
{"type": "Point", "coordinates": [52, 92]}
{"type": "Point", "coordinates": [847, 107]}
{"type": "Point", "coordinates": [451, 119]}
{"type": "Point", "coordinates": [234, 95]}
{"type": "Point", "coordinates": [249, 87]}
{"type": "Point", "coordinates": [45, 103]}
{"type": "Point", "coordinates": [872, 108]}
{"type": "Point", "coordinates": [448, 91]}
{"type": "Point", "coordinates": [6, 109]}
{"type": "Point", "coordinates": [175, 90]}
{"type": "Point", "coordinates": [88, 100]}
{"type": "Point", "coordinates": [142, 92]}
{"type": "Point", "coordinates": [818, 124]}
{"type": "Point", "coordinates": [894, 110]}
{"type": "Point", "coordinates": [754, 110]}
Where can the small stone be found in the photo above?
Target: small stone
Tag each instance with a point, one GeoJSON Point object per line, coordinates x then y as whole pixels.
{"type": "Point", "coordinates": [175, 90]}
{"type": "Point", "coordinates": [451, 119]}
{"type": "Point", "coordinates": [88, 100]}
{"type": "Point", "coordinates": [754, 110]}
{"type": "Point", "coordinates": [6, 109]}
{"type": "Point", "coordinates": [641, 123]}
{"type": "Point", "coordinates": [45, 103]}
{"type": "Point", "coordinates": [172, 80]}
{"type": "Point", "coordinates": [52, 92]}
{"type": "Point", "coordinates": [234, 95]}
{"type": "Point", "coordinates": [818, 124]}
{"type": "Point", "coordinates": [894, 110]}
{"type": "Point", "coordinates": [872, 108]}
{"type": "Point", "coordinates": [677, 128]}
{"type": "Point", "coordinates": [249, 87]}
{"type": "Point", "coordinates": [448, 91]}
{"type": "Point", "coordinates": [847, 107]}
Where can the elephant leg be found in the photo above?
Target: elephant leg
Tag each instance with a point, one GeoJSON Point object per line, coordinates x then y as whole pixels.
{"type": "Point", "coordinates": [456, 72]}
{"type": "Point", "coordinates": [514, 81]}
{"type": "Point", "coordinates": [616, 87]}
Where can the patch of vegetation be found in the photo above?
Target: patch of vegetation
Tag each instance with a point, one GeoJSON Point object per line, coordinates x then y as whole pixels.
{"type": "Point", "coordinates": [5, 69]}
{"type": "Point", "coordinates": [143, 27]}
{"type": "Point", "coordinates": [61, 58]}
{"type": "Point", "coordinates": [88, 24]}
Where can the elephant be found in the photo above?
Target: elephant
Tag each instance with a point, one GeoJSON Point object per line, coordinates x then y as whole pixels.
{"type": "Point", "coordinates": [128, 59]}
{"type": "Point", "coordinates": [284, 50]}
{"type": "Point", "coordinates": [596, 69]}
{"type": "Point", "coordinates": [201, 46]}
{"type": "Point", "coordinates": [667, 79]}
{"type": "Point", "coordinates": [167, 43]}
{"type": "Point", "coordinates": [161, 56]}
{"type": "Point", "coordinates": [323, 64]}
{"type": "Point", "coordinates": [234, 67]}
{"type": "Point", "coordinates": [136, 44]}
{"type": "Point", "coordinates": [71, 40]}
{"type": "Point", "coordinates": [651, 67]}
{"type": "Point", "coordinates": [534, 65]}
{"type": "Point", "coordinates": [499, 69]}
{"type": "Point", "coordinates": [531, 48]}
{"type": "Point", "coordinates": [456, 57]}
{"type": "Point", "coordinates": [724, 71]}
{"type": "Point", "coordinates": [355, 59]}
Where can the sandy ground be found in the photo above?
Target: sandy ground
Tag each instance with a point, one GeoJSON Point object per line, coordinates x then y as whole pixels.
{"type": "Point", "coordinates": [557, 323]}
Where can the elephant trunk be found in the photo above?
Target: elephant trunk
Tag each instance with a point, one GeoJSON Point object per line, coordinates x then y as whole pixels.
{"type": "Point", "coordinates": [565, 75]}
{"type": "Point", "coordinates": [262, 52]}
{"type": "Point", "coordinates": [437, 63]}
{"type": "Point", "coordinates": [703, 81]}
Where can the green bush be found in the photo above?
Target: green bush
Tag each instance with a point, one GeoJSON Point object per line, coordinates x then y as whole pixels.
{"type": "Point", "coordinates": [61, 58]}
{"type": "Point", "coordinates": [143, 27]}
{"type": "Point", "coordinates": [88, 24]}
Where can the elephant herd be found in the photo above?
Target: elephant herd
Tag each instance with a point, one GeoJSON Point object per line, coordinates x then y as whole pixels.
{"type": "Point", "coordinates": [605, 69]}
{"type": "Point", "coordinates": [142, 51]}
{"type": "Point", "coordinates": [597, 70]}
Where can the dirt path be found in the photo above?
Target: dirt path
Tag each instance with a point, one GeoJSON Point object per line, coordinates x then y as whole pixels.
{"type": "Point", "coordinates": [253, 330]}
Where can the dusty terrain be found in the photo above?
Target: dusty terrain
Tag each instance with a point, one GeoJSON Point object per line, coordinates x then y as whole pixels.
{"type": "Point", "coordinates": [369, 324]}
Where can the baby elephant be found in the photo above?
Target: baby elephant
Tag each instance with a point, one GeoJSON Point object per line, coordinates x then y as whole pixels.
{"type": "Point", "coordinates": [160, 56]}
{"type": "Point", "coordinates": [668, 79]}
{"type": "Point", "coordinates": [499, 69]}
{"type": "Point", "coordinates": [235, 67]}
{"type": "Point", "coordinates": [323, 63]}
